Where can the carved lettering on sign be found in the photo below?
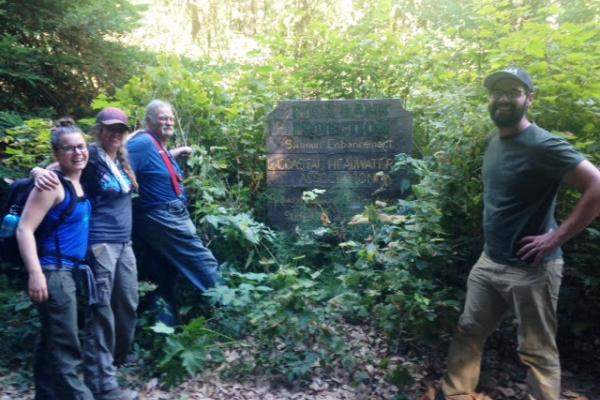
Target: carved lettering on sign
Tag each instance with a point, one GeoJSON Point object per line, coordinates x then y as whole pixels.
{"type": "Point", "coordinates": [333, 144]}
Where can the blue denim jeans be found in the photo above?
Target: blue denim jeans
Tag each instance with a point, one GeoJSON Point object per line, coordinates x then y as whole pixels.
{"type": "Point", "coordinates": [167, 238]}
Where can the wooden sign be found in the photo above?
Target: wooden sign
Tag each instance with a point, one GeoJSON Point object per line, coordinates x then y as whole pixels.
{"type": "Point", "coordinates": [337, 145]}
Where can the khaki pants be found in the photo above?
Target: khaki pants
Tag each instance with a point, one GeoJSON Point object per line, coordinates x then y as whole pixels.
{"type": "Point", "coordinates": [495, 291]}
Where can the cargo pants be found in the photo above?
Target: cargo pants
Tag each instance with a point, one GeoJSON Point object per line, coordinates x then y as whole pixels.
{"type": "Point", "coordinates": [494, 291]}
{"type": "Point", "coordinates": [110, 324]}
{"type": "Point", "coordinates": [57, 353]}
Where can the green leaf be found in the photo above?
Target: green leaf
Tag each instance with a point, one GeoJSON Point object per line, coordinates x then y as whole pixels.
{"type": "Point", "coordinates": [160, 327]}
{"type": "Point", "coordinates": [193, 360]}
{"type": "Point", "coordinates": [400, 377]}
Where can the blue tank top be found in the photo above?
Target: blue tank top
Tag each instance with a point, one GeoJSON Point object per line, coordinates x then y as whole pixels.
{"type": "Point", "coordinates": [72, 233]}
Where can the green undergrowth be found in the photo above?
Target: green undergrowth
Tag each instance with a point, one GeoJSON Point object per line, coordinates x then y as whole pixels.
{"type": "Point", "coordinates": [19, 326]}
{"type": "Point", "coordinates": [285, 310]}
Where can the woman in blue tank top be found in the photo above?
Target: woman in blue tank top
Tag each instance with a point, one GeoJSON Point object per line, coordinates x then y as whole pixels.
{"type": "Point", "coordinates": [50, 263]}
{"type": "Point", "coordinates": [64, 242]}
{"type": "Point", "coordinates": [108, 182]}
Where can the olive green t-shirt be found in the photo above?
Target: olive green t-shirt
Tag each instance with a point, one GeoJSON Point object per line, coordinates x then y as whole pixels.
{"type": "Point", "coordinates": [521, 176]}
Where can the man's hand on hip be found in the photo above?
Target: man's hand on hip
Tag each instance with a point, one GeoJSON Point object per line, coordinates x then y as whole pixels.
{"type": "Point", "coordinates": [535, 248]}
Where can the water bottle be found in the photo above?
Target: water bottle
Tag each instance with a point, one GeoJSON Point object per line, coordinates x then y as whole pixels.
{"type": "Point", "coordinates": [9, 223]}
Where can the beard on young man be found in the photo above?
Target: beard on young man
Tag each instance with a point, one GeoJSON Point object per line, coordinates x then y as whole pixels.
{"type": "Point", "coordinates": [506, 114]}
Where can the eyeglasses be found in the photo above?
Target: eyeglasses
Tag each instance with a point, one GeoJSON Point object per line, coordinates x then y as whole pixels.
{"type": "Point", "coordinates": [81, 148]}
{"type": "Point", "coordinates": [511, 94]}
{"type": "Point", "coordinates": [165, 119]}
{"type": "Point", "coordinates": [116, 128]}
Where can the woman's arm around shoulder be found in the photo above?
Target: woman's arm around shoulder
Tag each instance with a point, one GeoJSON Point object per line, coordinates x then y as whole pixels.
{"type": "Point", "coordinates": [45, 178]}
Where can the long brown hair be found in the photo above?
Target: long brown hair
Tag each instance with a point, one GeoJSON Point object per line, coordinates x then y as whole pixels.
{"type": "Point", "coordinates": [122, 156]}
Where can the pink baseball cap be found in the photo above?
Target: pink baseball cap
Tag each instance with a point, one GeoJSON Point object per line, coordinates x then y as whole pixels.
{"type": "Point", "coordinates": [112, 116]}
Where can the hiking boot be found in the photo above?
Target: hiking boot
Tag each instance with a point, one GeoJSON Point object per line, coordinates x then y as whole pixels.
{"type": "Point", "coordinates": [117, 394]}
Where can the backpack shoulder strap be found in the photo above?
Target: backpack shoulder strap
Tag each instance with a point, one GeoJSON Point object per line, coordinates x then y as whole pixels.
{"type": "Point", "coordinates": [72, 194]}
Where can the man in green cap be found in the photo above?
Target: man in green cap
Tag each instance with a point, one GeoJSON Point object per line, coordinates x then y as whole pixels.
{"type": "Point", "coordinates": [520, 269]}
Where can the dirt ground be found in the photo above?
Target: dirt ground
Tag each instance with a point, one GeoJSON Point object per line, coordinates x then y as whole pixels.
{"type": "Point", "coordinates": [210, 387]}
{"type": "Point", "coordinates": [502, 378]}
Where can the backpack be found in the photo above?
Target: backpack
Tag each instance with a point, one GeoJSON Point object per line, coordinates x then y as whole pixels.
{"type": "Point", "coordinates": [18, 193]}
